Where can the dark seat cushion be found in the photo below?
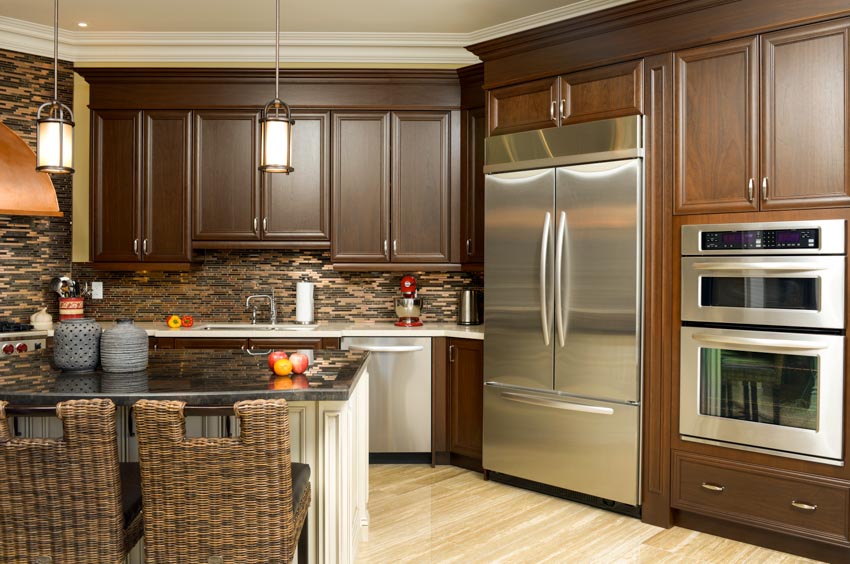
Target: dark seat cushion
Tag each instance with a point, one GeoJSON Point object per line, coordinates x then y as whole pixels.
{"type": "Point", "coordinates": [131, 491]}
{"type": "Point", "coordinates": [300, 479]}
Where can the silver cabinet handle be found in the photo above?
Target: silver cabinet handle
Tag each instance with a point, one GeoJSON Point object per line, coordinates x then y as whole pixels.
{"type": "Point", "coordinates": [451, 354]}
{"type": "Point", "coordinates": [804, 506]}
{"type": "Point", "coordinates": [468, 247]}
{"type": "Point", "coordinates": [780, 344]}
{"type": "Point", "coordinates": [391, 349]}
{"type": "Point", "coordinates": [395, 246]}
{"type": "Point", "coordinates": [256, 223]}
{"type": "Point", "coordinates": [145, 246]}
{"type": "Point", "coordinates": [552, 110]}
{"type": "Point", "coordinates": [385, 247]}
{"type": "Point", "coordinates": [265, 223]}
{"type": "Point", "coordinates": [544, 248]}
{"type": "Point", "coordinates": [750, 188]}
{"type": "Point", "coordinates": [764, 188]}
{"type": "Point", "coordinates": [559, 263]}
{"type": "Point", "coordinates": [135, 246]}
{"type": "Point", "coordinates": [713, 487]}
{"type": "Point", "coordinates": [557, 404]}
{"type": "Point", "coordinates": [563, 106]}
{"type": "Point", "coordinates": [775, 266]}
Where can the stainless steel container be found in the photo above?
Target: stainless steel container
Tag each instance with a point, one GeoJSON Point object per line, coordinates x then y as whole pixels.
{"type": "Point", "coordinates": [470, 307]}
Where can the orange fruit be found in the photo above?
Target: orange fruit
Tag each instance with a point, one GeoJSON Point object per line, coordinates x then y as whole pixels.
{"type": "Point", "coordinates": [281, 383]}
{"type": "Point", "coordinates": [283, 367]}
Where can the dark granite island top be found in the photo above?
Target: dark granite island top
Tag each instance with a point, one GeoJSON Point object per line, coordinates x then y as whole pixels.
{"type": "Point", "coordinates": [200, 377]}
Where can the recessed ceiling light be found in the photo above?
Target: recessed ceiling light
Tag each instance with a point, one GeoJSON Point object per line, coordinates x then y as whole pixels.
{"type": "Point", "coordinates": [82, 24]}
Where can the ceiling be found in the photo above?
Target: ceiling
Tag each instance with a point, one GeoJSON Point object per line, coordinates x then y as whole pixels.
{"type": "Point", "coordinates": [331, 32]}
{"type": "Point", "coordinates": [417, 16]}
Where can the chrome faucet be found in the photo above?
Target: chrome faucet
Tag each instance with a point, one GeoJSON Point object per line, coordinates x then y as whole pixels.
{"type": "Point", "coordinates": [272, 310]}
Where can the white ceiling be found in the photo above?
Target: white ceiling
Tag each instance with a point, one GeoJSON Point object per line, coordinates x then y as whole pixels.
{"type": "Point", "coordinates": [325, 31]}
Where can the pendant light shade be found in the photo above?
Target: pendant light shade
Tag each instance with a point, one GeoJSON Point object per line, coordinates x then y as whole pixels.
{"type": "Point", "coordinates": [276, 122]}
{"type": "Point", "coordinates": [55, 130]}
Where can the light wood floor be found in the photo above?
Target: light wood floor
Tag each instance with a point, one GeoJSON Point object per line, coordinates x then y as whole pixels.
{"type": "Point", "coordinates": [445, 514]}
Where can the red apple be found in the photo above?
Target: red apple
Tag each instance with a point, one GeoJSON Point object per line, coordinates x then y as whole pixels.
{"type": "Point", "coordinates": [274, 356]}
{"type": "Point", "coordinates": [299, 382]}
{"type": "Point", "coordinates": [300, 362]}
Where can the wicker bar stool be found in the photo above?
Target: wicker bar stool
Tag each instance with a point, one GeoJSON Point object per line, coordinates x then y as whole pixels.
{"type": "Point", "coordinates": [221, 500]}
{"type": "Point", "coordinates": [68, 500]}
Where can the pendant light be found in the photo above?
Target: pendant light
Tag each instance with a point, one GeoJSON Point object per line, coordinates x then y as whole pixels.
{"type": "Point", "coordinates": [55, 130]}
{"type": "Point", "coordinates": [276, 126]}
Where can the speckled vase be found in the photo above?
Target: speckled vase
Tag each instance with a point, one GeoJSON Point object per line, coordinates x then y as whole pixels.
{"type": "Point", "coordinates": [76, 345]}
{"type": "Point", "coordinates": [124, 347]}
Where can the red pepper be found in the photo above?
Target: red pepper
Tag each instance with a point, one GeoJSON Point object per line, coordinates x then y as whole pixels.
{"type": "Point", "coordinates": [187, 321]}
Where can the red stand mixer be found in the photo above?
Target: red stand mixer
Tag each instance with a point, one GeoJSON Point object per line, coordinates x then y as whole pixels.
{"type": "Point", "coordinates": [408, 306]}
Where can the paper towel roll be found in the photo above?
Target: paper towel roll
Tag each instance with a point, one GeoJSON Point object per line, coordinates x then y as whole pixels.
{"type": "Point", "coordinates": [304, 302]}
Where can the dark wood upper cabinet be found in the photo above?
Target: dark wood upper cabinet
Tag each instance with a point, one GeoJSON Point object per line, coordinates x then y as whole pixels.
{"type": "Point", "coordinates": [296, 207]}
{"type": "Point", "coordinates": [226, 180]}
{"type": "Point", "coordinates": [166, 176]}
{"type": "Point", "coordinates": [466, 401]}
{"type": "Point", "coordinates": [523, 107]}
{"type": "Point", "coordinates": [472, 185]}
{"type": "Point", "coordinates": [361, 189]}
{"type": "Point", "coordinates": [716, 128]}
{"type": "Point", "coordinates": [602, 93]}
{"type": "Point", "coordinates": [420, 187]}
{"type": "Point", "coordinates": [115, 185]}
{"type": "Point", "coordinates": [806, 143]}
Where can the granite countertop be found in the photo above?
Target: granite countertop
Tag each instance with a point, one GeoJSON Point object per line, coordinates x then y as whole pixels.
{"type": "Point", "coordinates": [200, 377]}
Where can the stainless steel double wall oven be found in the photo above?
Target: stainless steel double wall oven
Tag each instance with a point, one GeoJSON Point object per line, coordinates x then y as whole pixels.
{"type": "Point", "coordinates": [762, 339]}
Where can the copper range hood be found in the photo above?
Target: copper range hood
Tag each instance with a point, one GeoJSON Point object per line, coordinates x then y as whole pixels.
{"type": "Point", "coordinates": [23, 191]}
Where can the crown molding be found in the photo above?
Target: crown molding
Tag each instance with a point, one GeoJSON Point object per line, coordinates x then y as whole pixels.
{"type": "Point", "coordinates": [257, 47]}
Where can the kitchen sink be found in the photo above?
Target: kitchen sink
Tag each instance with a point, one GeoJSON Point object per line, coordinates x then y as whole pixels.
{"type": "Point", "coordinates": [258, 327]}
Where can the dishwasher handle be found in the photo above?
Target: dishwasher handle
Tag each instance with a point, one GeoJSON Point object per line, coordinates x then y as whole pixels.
{"type": "Point", "coordinates": [386, 348]}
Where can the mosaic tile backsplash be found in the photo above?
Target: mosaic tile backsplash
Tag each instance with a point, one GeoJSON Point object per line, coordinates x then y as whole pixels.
{"type": "Point", "coordinates": [32, 249]}
{"type": "Point", "coordinates": [217, 292]}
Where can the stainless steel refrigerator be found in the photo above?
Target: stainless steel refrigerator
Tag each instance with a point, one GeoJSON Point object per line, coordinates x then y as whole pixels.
{"type": "Point", "coordinates": [563, 271]}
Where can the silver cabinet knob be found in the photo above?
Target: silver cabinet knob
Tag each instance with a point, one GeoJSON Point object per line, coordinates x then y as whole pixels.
{"type": "Point", "coordinates": [135, 246]}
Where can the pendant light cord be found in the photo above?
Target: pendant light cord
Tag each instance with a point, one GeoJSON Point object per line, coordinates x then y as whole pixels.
{"type": "Point", "coordinates": [276, 51]}
{"type": "Point", "coordinates": [56, 50]}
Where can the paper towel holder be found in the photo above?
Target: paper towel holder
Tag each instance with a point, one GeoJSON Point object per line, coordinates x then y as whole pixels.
{"type": "Point", "coordinates": [298, 297]}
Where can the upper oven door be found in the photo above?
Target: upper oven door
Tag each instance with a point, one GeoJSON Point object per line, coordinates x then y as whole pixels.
{"type": "Point", "coordinates": [787, 291]}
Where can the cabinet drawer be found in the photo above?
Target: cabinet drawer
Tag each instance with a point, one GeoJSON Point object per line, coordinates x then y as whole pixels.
{"type": "Point", "coordinates": [794, 504]}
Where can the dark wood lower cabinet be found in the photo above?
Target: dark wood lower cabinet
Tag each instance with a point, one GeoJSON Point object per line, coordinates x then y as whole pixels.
{"type": "Point", "coordinates": [253, 343]}
{"type": "Point", "coordinates": [465, 403]}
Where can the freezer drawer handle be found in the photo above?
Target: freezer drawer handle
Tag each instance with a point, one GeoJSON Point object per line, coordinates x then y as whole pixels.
{"type": "Point", "coordinates": [568, 406]}
{"type": "Point", "coordinates": [559, 268]}
{"type": "Point", "coordinates": [770, 343]}
{"type": "Point", "coordinates": [375, 348]}
{"type": "Point", "coordinates": [769, 266]}
{"type": "Point", "coordinates": [804, 506]}
{"type": "Point", "coordinates": [544, 254]}
{"type": "Point", "coordinates": [713, 487]}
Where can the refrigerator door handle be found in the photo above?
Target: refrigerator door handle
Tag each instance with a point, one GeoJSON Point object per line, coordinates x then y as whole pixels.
{"type": "Point", "coordinates": [557, 404]}
{"type": "Point", "coordinates": [544, 255]}
{"type": "Point", "coordinates": [559, 264]}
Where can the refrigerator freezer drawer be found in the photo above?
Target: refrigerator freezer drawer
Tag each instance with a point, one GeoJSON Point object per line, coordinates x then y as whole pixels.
{"type": "Point", "coordinates": [581, 445]}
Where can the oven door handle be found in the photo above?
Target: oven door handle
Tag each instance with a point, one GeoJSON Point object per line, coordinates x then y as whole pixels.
{"type": "Point", "coordinates": [770, 266]}
{"type": "Point", "coordinates": [768, 343]}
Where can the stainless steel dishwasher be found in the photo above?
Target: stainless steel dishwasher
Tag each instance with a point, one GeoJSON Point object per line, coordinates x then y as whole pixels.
{"type": "Point", "coordinates": [399, 396]}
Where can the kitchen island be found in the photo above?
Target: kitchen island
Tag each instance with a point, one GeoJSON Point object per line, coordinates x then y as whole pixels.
{"type": "Point", "coordinates": [328, 418]}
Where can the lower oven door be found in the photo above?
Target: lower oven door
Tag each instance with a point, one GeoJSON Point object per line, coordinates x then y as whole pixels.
{"type": "Point", "coordinates": [763, 390]}
{"type": "Point", "coordinates": [788, 291]}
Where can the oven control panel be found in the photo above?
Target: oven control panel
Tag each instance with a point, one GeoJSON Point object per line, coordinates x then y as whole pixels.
{"type": "Point", "coordinates": [807, 238]}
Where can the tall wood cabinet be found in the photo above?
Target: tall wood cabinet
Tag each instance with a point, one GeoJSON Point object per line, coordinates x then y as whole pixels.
{"type": "Point", "coordinates": [140, 186]}
{"type": "Point", "coordinates": [761, 123]}
{"type": "Point", "coordinates": [472, 182]}
{"type": "Point", "coordinates": [391, 187]}
{"type": "Point", "coordinates": [466, 402]}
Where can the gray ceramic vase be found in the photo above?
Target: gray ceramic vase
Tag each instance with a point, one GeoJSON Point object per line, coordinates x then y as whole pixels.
{"type": "Point", "coordinates": [124, 347]}
{"type": "Point", "coordinates": [76, 345]}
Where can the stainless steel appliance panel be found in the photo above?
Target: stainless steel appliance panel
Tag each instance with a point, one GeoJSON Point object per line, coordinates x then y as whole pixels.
{"type": "Point", "coordinates": [718, 391]}
{"type": "Point", "coordinates": [598, 250]}
{"type": "Point", "coordinates": [581, 445]}
{"type": "Point", "coordinates": [831, 237]}
{"type": "Point", "coordinates": [788, 291]}
{"type": "Point", "coordinates": [399, 392]}
{"type": "Point", "coordinates": [518, 268]}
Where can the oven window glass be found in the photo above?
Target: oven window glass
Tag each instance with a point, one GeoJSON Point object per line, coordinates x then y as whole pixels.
{"type": "Point", "coordinates": [772, 388]}
{"type": "Point", "coordinates": [757, 293]}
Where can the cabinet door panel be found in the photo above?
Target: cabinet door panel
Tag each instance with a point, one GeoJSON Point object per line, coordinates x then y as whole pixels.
{"type": "Point", "coordinates": [209, 343]}
{"type": "Point", "coordinates": [805, 154]}
{"type": "Point", "coordinates": [226, 180]}
{"type": "Point", "coordinates": [716, 127]}
{"type": "Point", "coordinates": [420, 187]}
{"type": "Point", "coordinates": [116, 217]}
{"type": "Point", "coordinates": [602, 93]}
{"type": "Point", "coordinates": [472, 199]}
{"type": "Point", "coordinates": [166, 196]}
{"type": "Point", "coordinates": [466, 398]}
{"type": "Point", "coordinates": [523, 107]}
{"type": "Point", "coordinates": [361, 193]}
{"type": "Point", "coordinates": [296, 206]}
